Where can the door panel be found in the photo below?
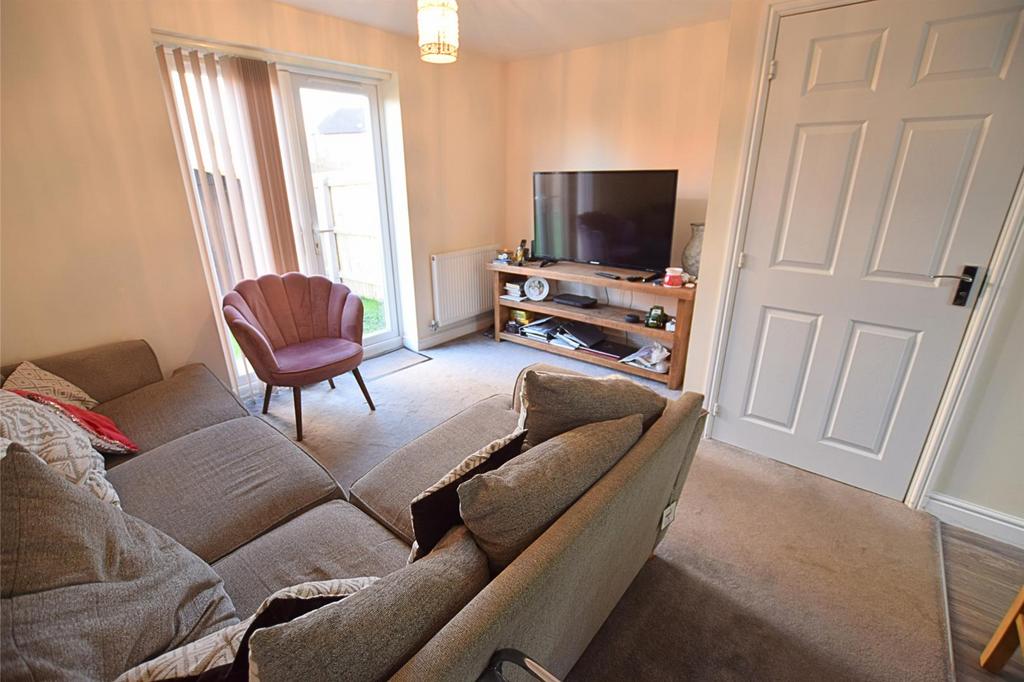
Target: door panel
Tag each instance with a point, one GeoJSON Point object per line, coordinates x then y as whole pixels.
{"type": "Point", "coordinates": [825, 159]}
{"type": "Point", "coordinates": [891, 147]}
{"type": "Point", "coordinates": [779, 374]}
{"type": "Point", "coordinates": [934, 164]}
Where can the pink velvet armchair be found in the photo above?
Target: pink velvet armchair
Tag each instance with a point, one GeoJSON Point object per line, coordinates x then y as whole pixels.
{"type": "Point", "coordinates": [297, 330]}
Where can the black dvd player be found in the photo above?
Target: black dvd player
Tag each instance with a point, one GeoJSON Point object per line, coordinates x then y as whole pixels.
{"type": "Point", "coordinates": [575, 300]}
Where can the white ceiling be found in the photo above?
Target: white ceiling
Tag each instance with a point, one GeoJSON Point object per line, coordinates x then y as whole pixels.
{"type": "Point", "coordinates": [511, 29]}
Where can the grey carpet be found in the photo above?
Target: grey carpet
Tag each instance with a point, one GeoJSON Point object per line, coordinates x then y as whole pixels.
{"type": "Point", "coordinates": [392, 362]}
{"type": "Point", "coordinates": [768, 573]}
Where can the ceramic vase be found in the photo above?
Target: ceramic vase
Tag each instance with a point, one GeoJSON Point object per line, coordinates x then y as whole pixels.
{"type": "Point", "coordinates": [691, 254]}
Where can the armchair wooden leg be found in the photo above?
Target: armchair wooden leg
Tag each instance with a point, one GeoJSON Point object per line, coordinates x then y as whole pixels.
{"type": "Point", "coordinates": [266, 398]}
{"type": "Point", "coordinates": [331, 381]}
{"type": "Point", "coordinates": [297, 395]}
{"type": "Point", "coordinates": [362, 387]}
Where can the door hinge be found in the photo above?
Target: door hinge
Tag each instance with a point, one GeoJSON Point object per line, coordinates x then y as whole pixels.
{"type": "Point", "coordinates": [772, 65]}
{"type": "Point", "coordinates": [714, 409]}
{"type": "Point", "coordinates": [741, 260]}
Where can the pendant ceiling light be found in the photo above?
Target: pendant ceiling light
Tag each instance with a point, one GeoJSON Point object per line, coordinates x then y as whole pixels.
{"type": "Point", "coordinates": [438, 23]}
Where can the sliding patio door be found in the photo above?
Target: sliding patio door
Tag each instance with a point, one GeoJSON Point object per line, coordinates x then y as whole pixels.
{"type": "Point", "coordinates": [337, 150]}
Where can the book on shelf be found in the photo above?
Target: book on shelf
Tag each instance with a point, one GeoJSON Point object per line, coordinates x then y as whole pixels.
{"type": "Point", "coordinates": [581, 333]}
{"type": "Point", "coordinates": [609, 349]}
{"type": "Point", "coordinates": [512, 297]}
{"type": "Point", "coordinates": [543, 329]}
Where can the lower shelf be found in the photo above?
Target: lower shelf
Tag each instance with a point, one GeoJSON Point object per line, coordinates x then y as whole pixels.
{"type": "Point", "coordinates": [585, 357]}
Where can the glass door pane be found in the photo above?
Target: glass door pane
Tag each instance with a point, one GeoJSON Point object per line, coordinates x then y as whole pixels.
{"type": "Point", "coordinates": [343, 153]}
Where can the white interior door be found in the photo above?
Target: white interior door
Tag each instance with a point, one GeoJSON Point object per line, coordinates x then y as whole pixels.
{"type": "Point", "coordinates": [893, 140]}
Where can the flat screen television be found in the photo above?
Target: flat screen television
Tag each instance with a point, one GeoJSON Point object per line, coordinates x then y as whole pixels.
{"type": "Point", "coordinates": [616, 218]}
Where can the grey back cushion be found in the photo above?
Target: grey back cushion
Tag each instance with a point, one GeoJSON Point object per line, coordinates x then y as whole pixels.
{"type": "Point", "coordinates": [553, 403]}
{"type": "Point", "coordinates": [509, 508]}
{"type": "Point", "coordinates": [89, 591]}
{"type": "Point", "coordinates": [371, 634]}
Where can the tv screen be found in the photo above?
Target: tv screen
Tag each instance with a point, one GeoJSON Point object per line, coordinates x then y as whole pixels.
{"type": "Point", "coordinates": [618, 218]}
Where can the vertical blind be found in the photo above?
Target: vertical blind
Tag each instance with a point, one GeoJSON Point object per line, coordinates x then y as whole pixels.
{"type": "Point", "coordinates": [224, 111]}
{"type": "Point", "coordinates": [227, 133]}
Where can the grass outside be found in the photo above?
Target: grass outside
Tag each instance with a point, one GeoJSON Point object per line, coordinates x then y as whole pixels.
{"type": "Point", "coordinates": [373, 316]}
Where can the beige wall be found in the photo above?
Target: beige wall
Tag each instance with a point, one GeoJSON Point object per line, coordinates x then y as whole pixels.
{"type": "Point", "coordinates": [746, 25]}
{"type": "Point", "coordinates": [985, 465]}
{"type": "Point", "coordinates": [97, 244]}
{"type": "Point", "coordinates": [647, 102]}
{"type": "Point", "coordinates": [97, 240]}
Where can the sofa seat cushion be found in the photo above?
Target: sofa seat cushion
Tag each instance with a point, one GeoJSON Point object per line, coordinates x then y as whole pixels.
{"type": "Point", "coordinates": [334, 540]}
{"type": "Point", "coordinates": [218, 488]}
{"type": "Point", "coordinates": [310, 361]}
{"type": "Point", "coordinates": [388, 489]}
{"type": "Point", "coordinates": [192, 399]}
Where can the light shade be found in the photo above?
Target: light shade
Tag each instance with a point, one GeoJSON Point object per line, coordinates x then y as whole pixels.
{"type": "Point", "coordinates": [438, 23]}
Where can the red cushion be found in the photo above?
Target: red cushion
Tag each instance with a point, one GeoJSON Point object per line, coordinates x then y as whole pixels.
{"type": "Point", "coordinates": [103, 432]}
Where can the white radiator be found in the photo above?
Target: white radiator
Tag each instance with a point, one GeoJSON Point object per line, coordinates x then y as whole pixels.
{"type": "Point", "coordinates": [462, 287]}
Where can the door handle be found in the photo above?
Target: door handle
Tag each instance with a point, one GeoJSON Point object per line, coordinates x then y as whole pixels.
{"type": "Point", "coordinates": [963, 288]}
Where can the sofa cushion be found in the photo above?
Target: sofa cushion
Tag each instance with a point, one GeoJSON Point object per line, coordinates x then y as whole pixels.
{"type": "Point", "coordinates": [388, 489]}
{"type": "Point", "coordinates": [510, 507]}
{"type": "Point", "coordinates": [553, 403]}
{"type": "Point", "coordinates": [218, 488]}
{"type": "Point", "coordinates": [334, 540]}
{"type": "Point", "coordinates": [370, 634]}
{"type": "Point", "coordinates": [192, 399]}
{"type": "Point", "coordinates": [435, 511]}
{"type": "Point", "coordinates": [517, 391]}
{"type": "Point", "coordinates": [87, 590]}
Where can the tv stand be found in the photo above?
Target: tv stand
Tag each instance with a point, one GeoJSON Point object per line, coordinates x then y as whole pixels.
{"type": "Point", "coordinates": [604, 316]}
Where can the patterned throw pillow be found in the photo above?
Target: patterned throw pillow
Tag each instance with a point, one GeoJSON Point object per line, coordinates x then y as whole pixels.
{"type": "Point", "coordinates": [436, 510]}
{"type": "Point", "coordinates": [224, 655]}
{"type": "Point", "coordinates": [28, 377]}
{"type": "Point", "coordinates": [101, 429]}
{"type": "Point", "coordinates": [61, 443]}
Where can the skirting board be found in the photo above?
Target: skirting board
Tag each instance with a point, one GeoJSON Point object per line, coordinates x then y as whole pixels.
{"type": "Point", "coordinates": [448, 334]}
{"type": "Point", "coordinates": [973, 517]}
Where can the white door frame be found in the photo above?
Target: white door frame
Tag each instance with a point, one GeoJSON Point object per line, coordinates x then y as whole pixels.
{"type": "Point", "coordinates": [1008, 246]}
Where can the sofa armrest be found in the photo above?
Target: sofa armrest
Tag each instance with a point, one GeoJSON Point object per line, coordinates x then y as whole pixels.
{"type": "Point", "coordinates": [540, 367]}
{"type": "Point", "coordinates": [104, 372]}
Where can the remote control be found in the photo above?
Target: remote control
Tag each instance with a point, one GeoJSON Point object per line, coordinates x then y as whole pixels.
{"type": "Point", "coordinates": [608, 275]}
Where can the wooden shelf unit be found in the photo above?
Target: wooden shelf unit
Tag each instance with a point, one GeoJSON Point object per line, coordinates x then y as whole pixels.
{"type": "Point", "coordinates": [604, 316]}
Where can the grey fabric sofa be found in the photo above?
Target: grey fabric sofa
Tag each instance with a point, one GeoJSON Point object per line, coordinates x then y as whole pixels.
{"type": "Point", "coordinates": [265, 515]}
